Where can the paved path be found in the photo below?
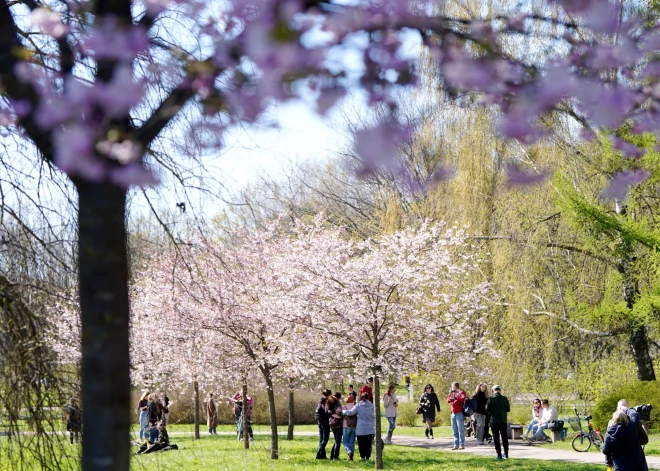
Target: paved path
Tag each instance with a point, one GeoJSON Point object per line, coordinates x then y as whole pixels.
{"type": "Point", "coordinates": [516, 450]}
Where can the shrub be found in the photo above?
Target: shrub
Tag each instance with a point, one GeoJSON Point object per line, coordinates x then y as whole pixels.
{"type": "Point", "coordinates": [638, 392]}
{"type": "Point", "coordinates": [406, 414]}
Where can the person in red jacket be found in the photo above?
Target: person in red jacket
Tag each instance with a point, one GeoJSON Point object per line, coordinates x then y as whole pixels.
{"type": "Point", "coordinates": [457, 398]}
{"type": "Point", "coordinates": [368, 388]}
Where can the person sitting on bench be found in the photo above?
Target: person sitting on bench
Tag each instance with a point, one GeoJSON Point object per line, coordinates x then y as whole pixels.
{"type": "Point", "coordinates": [549, 416]}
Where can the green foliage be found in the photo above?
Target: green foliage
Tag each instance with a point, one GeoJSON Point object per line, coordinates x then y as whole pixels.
{"type": "Point", "coordinates": [637, 392]}
{"type": "Point", "coordinates": [406, 414]}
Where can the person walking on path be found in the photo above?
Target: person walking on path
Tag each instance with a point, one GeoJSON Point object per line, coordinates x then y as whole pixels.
{"type": "Point", "coordinates": [497, 408]}
{"type": "Point", "coordinates": [621, 447]}
{"type": "Point", "coordinates": [74, 420]}
{"type": "Point", "coordinates": [481, 396]}
{"type": "Point", "coordinates": [335, 422]}
{"type": "Point", "coordinates": [366, 425]}
{"type": "Point", "coordinates": [390, 402]}
{"type": "Point", "coordinates": [429, 404]}
{"type": "Point", "coordinates": [324, 425]}
{"type": "Point", "coordinates": [211, 415]}
{"type": "Point", "coordinates": [349, 428]}
{"type": "Point", "coordinates": [142, 414]}
{"type": "Point", "coordinates": [457, 398]}
{"type": "Point", "coordinates": [369, 389]}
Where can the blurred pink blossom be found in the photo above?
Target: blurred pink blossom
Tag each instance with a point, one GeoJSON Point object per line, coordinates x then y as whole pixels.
{"type": "Point", "coordinates": [49, 21]}
{"type": "Point", "coordinates": [621, 183]}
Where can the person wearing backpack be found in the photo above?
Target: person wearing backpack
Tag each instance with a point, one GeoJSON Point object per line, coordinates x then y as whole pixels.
{"type": "Point", "coordinates": [350, 421]}
{"type": "Point", "coordinates": [333, 409]}
{"type": "Point", "coordinates": [324, 425]}
{"type": "Point", "coordinates": [390, 402]}
{"type": "Point", "coordinates": [481, 396]}
{"type": "Point", "coordinates": [457, 398]}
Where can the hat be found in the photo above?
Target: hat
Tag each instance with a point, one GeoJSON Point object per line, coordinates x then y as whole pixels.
{"type": "Point", "coordinates": [497, 388]}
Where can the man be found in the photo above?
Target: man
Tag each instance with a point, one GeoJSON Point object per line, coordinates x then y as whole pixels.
{"type": "Point", "coordinates": [324, 425]}
{"type": "Point", "coordinates": [368, 388]}
{"type": "Point", "coordinates": [456, 398]}
{"type": "Point", "coordinates": [549, 415]}
{"type": "Point", "coordinates": [165, 403]}
{"type": "Point", "coordinates": [638, 431]}
{"type": "Point", "coordinates": [352, 392]}
{"type": "Point", "coordinates": [497, 407]}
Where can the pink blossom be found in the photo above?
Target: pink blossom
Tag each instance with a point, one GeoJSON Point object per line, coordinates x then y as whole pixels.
{"type": "Point", "coordinates": [132, 175]}
{"type": "Point", "coordinates": [122, 93]}
{"type": "Point", "coordinates": [627, 149]}
{"type": "Point", "coordinates": [622, 182]}
{"type": "Point", "coordinates": [49, 21]}
{"type": "Point", "coordinates": [74, 152]}
{"type": "Point", "coordinates": [519, 177]}
{"type": "Point", "coordinates": [378, 147]}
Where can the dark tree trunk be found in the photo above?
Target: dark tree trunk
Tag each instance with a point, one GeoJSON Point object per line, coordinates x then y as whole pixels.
{"type": "Point", "coordinates": [104, 307]}
{"type": "Point", "coordinates": [246, 438]}
{"type": "Point", "coordinates": [196, 412]}
{"type": "Point", "coordinates": [639, 343]}
{"type": "Point", "coordinates": [274, 448]}
{"type": "Point", "coordinates": [292, 415]}
{"type": "Point", "coordinates": [378, 441]}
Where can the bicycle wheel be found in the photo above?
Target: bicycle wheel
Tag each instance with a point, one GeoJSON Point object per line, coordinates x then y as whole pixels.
{"type": "Point", "coordinates": [581, 443]}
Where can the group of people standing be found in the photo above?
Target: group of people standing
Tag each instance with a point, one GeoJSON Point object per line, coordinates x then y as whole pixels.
{"type": "Point", "coordinates": [355, 420]}
{"type": "Point", "coordinates": [153, 411]}
{"type": "Point", "coordinates": [487, 408]}
{"type": "Point", "coordinates": [238, 407]}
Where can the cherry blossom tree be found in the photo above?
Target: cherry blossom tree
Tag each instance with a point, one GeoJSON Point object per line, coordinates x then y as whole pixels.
{"type": "Point", "coordinates": [95, 85]}
{"type": "Point", "coordinates": [406, 302]}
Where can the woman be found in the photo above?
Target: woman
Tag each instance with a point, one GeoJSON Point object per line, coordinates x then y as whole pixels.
{"type": "Point", "coordinates": [74, 420]}
{"type": "Point", "coordinates": [537, 413]}
{"type": "Point", "coordinates": [481, 396]}
{"type": "Point", "coordinates": [142, 413]}
{"type": "Point", "coordinates": [333, 409]}
{"type": "Point", "coordinates": [366, 424]}
{"type": "Point", "coordinates": [324, 425]}
{"type": "Point", "coordinates": [621, 448]}
{"type": "Point", "coordinates": [429, 404]}
{"type": "Point", "coordinates": [390, 403]}
{"type": "Point", "coordinates": [349, 428]}
{"type": "Point", "coordinates": [153, 416]}
{"type": "Point", "coordinates": [211, 415]}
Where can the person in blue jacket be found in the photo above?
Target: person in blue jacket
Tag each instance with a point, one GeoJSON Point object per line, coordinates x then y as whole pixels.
{"type": "Point", "coordinates": [621, 448]}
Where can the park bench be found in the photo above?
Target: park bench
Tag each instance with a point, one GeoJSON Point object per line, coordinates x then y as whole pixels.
{"type": "Point", "coordinates": [516, 431]}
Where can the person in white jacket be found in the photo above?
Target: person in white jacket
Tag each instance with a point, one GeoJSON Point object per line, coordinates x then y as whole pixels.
{"type": "Point", "coordinates": [549, 415]}
{"type": "Point", "coordinates": [391, 403]}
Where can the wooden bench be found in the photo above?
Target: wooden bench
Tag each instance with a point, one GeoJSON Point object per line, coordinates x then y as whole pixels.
{"type": "Point", "coordinates": [516, 431]}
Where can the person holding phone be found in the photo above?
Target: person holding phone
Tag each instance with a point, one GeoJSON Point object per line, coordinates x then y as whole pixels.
{"type": "Point", "coordinates": [390, 402]}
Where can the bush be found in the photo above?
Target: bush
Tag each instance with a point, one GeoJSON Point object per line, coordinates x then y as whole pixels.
{"type": "Point", "coordinates": [406, 414]}
{"type": "Point", "coordinates": [638, 392]}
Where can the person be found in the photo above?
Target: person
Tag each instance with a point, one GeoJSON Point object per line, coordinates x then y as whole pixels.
{"type": "Point", "coordinates": [74, 420]}
{"type": "Point", "coordinates": [481, 396]}
{"type": "Point", "coordinates": [549, 415]}
{"type": "Point", "coordinates": [621, 447]}
{"type": "Point", "coordinates": [369, 389]}
{"type": "Point", "coordinates": [211, 415]}
{"type": "Point", "coordinates": [366, 425]}
{"type": "Point", "coordinates": [537, 413]}
{"type": "Point", "coordinates": [333, 409]}
{"type": "Point", "coordinates": [497, 407]}
{"type": "Point", "coordinates": [456, 398]}
{"type": "Point", "coordinates": [390, 402]}
{"type": "Point", "coordinates": [324, 425]}
{"type": "Point", "coordinates": [165, 405]}
{"type": "Point", "coordinates": [349, 428]}
{"type": "Point", "coordinates": [352, 392]}
{"type": "Point", "coordinates": [429, 404]}
{"type": "Point", "coordinates": [153, 417]}
{"type": "Point", "coordinates": [237, 409]}
{"type": "Point", "coordinates": [142, 413]}
{"type": "Point", "coordinates": [638, 430]}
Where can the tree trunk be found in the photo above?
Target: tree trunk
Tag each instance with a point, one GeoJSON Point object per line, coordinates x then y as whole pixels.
{"type": "Point", "coordinates": [196, 412]}
{"type": "Point", "coordinates": [379, 441]}
{"type": "Point", "coordinates": [292, 416]}
{"type": "Point", "coordinates": [639, 343]}
{"type": "Point", "coordinates": [104, 308]}
{"type": "Point", "coordinates": [246, 438]}
{"type": "Point", "coordinates": [274, 453]}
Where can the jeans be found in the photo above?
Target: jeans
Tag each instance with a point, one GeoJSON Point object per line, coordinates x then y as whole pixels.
{"type": "Point", "coordinates": [143, 424]}
{"type": "Point", "coordinates": [364, 445]}
{"type": "Point", "coordinates": [531, 426]}
{"type": "Point", "coordinates": [539, 435]}
{"type": "Point", "coordinates": [153, 434]}
{"type": "Point", "coordinates": [392, 422]}
{"type": "Point", "coordinates": [324, 436]}
{"type": "Point", "coordinates": [481, 425]}
{"type": "Point", "coordinates": [349, 440]}
{"type": "Point", "coordinates": [499, 430]}
{"type": "Point", "coordinates": [458, 427]}
{"type": "Point", "coordinates": [336, 448]}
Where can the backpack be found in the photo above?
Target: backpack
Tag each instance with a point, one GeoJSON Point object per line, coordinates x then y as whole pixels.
{"type": "Point", "coordinates": [469, 406]}
{"type": "Point", "coordinates": [333, 421]}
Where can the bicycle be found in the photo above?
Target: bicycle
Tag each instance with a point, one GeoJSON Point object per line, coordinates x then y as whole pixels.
{"type": "Point", "coordinates": [583, 440]}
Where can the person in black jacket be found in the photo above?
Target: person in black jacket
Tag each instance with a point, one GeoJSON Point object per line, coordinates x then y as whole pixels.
{"type": "Point", "coordinates": [429, 404]}
{"type": "Point", "coordinates": [74, 420]}
{"type": "Point", "coordinates": [497, 408]}
{"type": "Point", "coordinates": [324, 425]}
{"type": "Point", "coordinates": [481, 396]}
{"type": "Point", "coordinates": [621, 447]}
{"type": "Point", "coordinates": [153, 417]}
